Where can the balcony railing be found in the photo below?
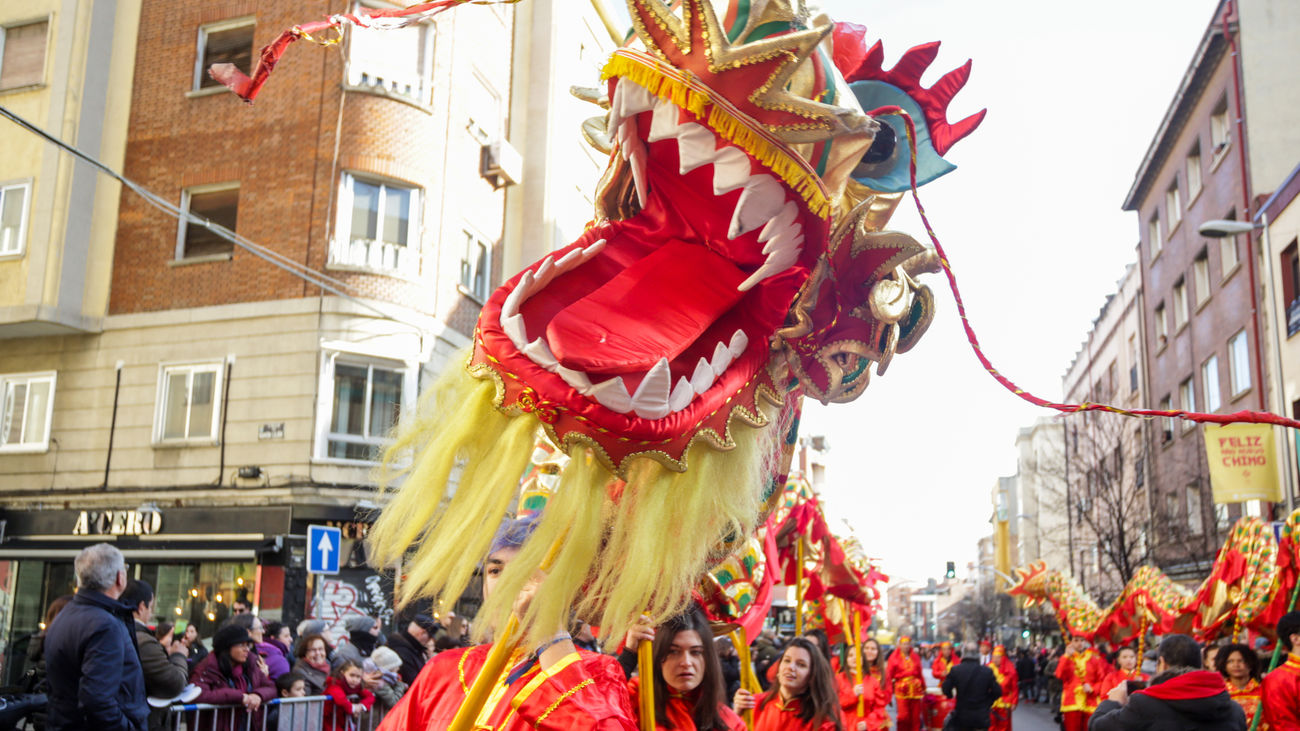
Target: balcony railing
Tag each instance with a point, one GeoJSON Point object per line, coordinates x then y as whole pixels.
{"type": "Point", "coordinates": [373, 254]}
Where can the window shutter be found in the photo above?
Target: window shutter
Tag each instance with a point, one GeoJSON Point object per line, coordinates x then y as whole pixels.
{"type": "Point", "coordinates": [24, 55]}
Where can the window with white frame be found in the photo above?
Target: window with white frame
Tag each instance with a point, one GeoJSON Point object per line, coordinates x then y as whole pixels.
{"type": "Point", "coordinates": [13, 218]}
{"type": "Point", "coordinates": [1210, 381]}
{"type": "Point", "coordinates": [1228, 249]}
{"type": "Point", "coordinates": [1221, 517]}
{"type": "Point", "coordinates": [1180, 304]}
{"type": "Point", "coordinates": [484, 106]}
{"type": "Point", "coordinates": [25, 411]}
{"type": "Point", "coordinates": [1162, 326]}
{"type": "Point", "coordinates": [1187, 399]}
{"type": "Point", "coordinates": [1201, 276]}
{"type": "Point", "coordinates": [1173, 205]}
{"type": "Point", "coordinates": [1153, 234]}
{"type": "Point", "coordinates": [1220, 128]}
{"type": "Point", "coordinates": [366, 402]}
{"type": "Point", "coordinates": [378, 226]}
{"type": "Point", "coordinates": [395, 62]}
{"type": "Point", "coordinates": [1195, 521]}
{"type": "Point", "coordinates": [22, 53]}
{"type": "Point", "coordinates": [476, 268]}
{"type": "Point", "coordinates": [189, 403]}
{"type": "Point", "coordinates": [1194, 171]}
{"type": "Point", "coordinates": [227, 41]}
{"type": "Point", "coordinates": [1166, 423]}
{"type": "Point", "coordinates": [1239, 363]}
{"type": "Point", "coordinates": [217, 203]}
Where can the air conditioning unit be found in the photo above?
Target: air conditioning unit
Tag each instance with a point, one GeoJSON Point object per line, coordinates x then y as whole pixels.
{"type": "Point", "coordinates": [501, 163]}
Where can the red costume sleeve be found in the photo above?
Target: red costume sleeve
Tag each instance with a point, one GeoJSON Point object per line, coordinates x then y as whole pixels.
{"type": "Point", "coordinates": [1281, 698]}
{"type": "Point", "coordinates": [1065, 669]}
{"type": "Point", "coordinates": [844, 687]}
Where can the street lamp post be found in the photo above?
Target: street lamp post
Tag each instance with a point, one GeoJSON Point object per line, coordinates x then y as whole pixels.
{"type": "Point", "coordinates": [1220, 228]}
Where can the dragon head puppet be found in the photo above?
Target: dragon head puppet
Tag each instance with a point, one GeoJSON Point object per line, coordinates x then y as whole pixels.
{"type": "Point", "coordinates": [736, 261]}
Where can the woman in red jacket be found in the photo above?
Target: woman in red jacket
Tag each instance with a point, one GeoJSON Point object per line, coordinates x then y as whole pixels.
{"type": "Point", "coordinates": [348, 697]}
{"type": "Point", "coordinates": [803, 698]}
{"type": "Point", "coordinates": [230, 676]}
{"type": "Point", "coordinates": [688, 691]}
{"type": "Point", "coordinates": [871, 690]}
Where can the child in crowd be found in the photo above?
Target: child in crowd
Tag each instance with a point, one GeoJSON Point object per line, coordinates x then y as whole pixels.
{"type": "Point", "coordinates": [292, 716]}
{"type": "Point", "coordinates": [391, 687]}
{"type": "Point", "coordinates": [348, 697]}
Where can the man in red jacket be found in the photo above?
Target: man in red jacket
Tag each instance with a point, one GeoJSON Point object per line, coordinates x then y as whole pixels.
{"type": "Point", "coordinates": [907, 683]}
{"type": "Point", "coordinates": [1281, 694]}
{"type": "Point", "coordinates": [1081, 671]}
{"type": "Point", "coordinates": [553, 687]}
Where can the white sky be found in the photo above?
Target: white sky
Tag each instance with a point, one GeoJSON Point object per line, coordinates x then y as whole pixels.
{"type": "Point", "coordinates": [1031, 221]}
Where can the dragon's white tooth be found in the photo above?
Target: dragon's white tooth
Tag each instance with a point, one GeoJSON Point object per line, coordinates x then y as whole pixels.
{"type": "Point", "coordinates": [739, 341]}
{"type": "Point", "coordinates": [616, 107]}
{"type": "Point", "coordinates": [721, 359]}
{"type": "Point", "coordinates": [703, 376]}
{"type": "Point", "coordinates": [613, 395]}
{"type": "Point", "coordinates": [777, 262]}
{"type": "Point", "coordinates": [782, 222]}
{"type": "Point", "coordinates": [786, 238]}
{"type": "Point", "coordinates": [639, 175]}
{"type": "Point", "coordinates": [696, 145]}
{"type": "Point", "coordinates": [567, 261]}
{"type": "Point", "coordinates": [636, 99]}
{"type": "Point", "coordinates": [681, 395]}
{"type": "Point", "coordinates": [514, 329]}
{"type": "Point", "coordinates": [731, 169]}
{"type": "Point", "coordinates": [577, 379]}
{"type": "Point", "coordinates": [759, 202]}
{"type": "Point", "coordinates": [593, 249]}
{"type": "Point", "coordinates": [544, 272]}
{"type": "Point", "coordinates": [513, 300]}
{"type": "Point", "coordinates": [540, 353]}
{"type": "Point", "coordinates": [663, 124]}
{"type": "Point", "coordinates": [651, 398]}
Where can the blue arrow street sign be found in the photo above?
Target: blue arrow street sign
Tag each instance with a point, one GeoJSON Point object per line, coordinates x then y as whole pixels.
{"type": "Point", "coordinates": [323, 549]}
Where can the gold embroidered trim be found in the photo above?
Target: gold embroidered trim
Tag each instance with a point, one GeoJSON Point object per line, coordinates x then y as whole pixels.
{"type": "Point", "coordinates": [563, 698]}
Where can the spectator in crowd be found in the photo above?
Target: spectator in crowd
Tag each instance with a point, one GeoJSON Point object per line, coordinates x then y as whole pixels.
{"type": "Point", "coordinates": [363, 634]}
{"type": "Point", "coordinates": [1209, 656]}
{"type": "Point", "coordinates": [1181, 696]}
{"type": "Point", "coordinates": [765, 651]}
{"type": "Point", "coordinates": [974, 686]}
{"type": "Point", "coordinates": [583, 637]}
{"type": "Point", "coordinates": [291, 685]}
{"type": "Point", "coordinates": [280, 635]}
{"type": "Point", "coordinates": [316, 627]}
{"type": "Point", "coordinates": [291, 716]}
{"type": "Point", "coordinates": [1027, 670]}
{"type": "Point", "coordinates": [414, 645]}
{"type": "Point", "coordinates": [730, 662]}
{"type": "Point", "coordinates": [1239, 666]}
{"type": "Point", "coordinates": [388, 691]}
{"type": "Point", "coordinates": [1281, 696]}
{"type": "Point", "coordinates": [164, 663]}
{"type": "Point", "coordinates": [90, 658]}
{"type": "Point", "coordinates": [348, 697]}
{"type": "Point", "coordinates": [197, 650]}
{"type": "Point", "coordinates": [803, 697]}
{"type": "Point", "coordinates": [241, 605]}
{"type": "Point", "coordinates": [35, 680]}
{"type": "Point", "coordinates": [313, 663]}
{"type": "Point", "coordinates": [277, 663]}
{"type": "Point", "coordinates": [231, 676]}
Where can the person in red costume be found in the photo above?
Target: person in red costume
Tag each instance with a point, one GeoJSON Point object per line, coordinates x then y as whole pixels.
{"type": "Point", "coordinates": [1281, 695]}
{"type": "Point", "coordinates": [1081, 671]}
{"type": "Point", "coordinates": [908, 684]}
{"type": "Point", "coordinates": [688, 690]}
{"type": "Point", "coordinates": [1128, 669]}
{"type": "Point", "coordinates": [803, 698]}
{"type": "Point", "coordinates": [1005, 672]}
{"type": "Point", "coordinates": [943, 661]}
{"type": "Point", "coordinates": [872, 692]}
{"type": "Point", "coordinates": [553, 687]}
{"type": "Point", "coordinates": [1239, 666]}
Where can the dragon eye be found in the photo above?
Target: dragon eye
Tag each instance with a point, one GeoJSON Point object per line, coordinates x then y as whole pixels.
{"type": "Point", "coordinates": [882, 147]}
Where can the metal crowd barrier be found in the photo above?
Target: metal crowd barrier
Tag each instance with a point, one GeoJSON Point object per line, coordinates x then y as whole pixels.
{"type": "Point", "coordinates": [281, 714]}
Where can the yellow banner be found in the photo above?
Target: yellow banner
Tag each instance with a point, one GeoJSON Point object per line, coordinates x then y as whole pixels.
{"type": "Point", "coordinates": [1243, 462]}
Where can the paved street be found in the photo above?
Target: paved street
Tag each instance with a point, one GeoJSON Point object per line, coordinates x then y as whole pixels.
{"type": "Point", "coordinates": [1033, 717]}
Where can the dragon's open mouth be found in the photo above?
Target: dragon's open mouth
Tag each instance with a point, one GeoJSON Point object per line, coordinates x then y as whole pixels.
{"type": "Point", "coordinates": [668, 310]}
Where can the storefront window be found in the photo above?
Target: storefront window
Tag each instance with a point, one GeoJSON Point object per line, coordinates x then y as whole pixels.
{"type": "Point", "coordinates": [200, 594]}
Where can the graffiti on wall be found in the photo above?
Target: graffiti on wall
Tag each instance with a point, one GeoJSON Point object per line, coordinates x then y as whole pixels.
{"type": "Point", "coordinates": [352, 593]}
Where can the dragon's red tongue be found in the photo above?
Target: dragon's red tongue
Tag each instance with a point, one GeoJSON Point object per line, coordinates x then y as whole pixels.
{"type": "Point", "coordinates": [653, 309]}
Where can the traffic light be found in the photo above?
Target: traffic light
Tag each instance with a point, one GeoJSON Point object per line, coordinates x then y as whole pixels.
{"type": "Point", "coordinates": [951, 573]}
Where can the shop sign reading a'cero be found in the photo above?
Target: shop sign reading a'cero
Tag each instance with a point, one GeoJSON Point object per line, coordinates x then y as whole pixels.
{"type": "Point", "coordinates": [144, 522]}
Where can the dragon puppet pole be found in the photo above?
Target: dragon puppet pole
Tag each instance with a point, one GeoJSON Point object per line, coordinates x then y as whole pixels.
{"type": "Point", "coordinates": [496, 660]}
{"type": "Point", "coordinates": [645, 661]}
{"type": "Point", "coordinates": [748, 680]}
{"type": "Point", "coordinates": [857, 661]}
{"type": "Point", "coordinates": [798, 586]}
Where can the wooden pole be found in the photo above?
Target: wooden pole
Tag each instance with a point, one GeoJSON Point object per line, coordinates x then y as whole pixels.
{"type": "Point", "coordinates": [857, 661]}
{"type": "Point", "coordinates": [645, 665]}
{"type": "Point", "coordinates": [798, 586]}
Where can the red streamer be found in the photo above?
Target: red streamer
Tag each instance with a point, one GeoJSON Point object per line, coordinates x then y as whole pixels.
{"type": "Point", "coordinates": [1240, 417]}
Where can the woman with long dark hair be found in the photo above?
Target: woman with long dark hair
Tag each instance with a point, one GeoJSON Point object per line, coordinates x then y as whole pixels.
{"type": "Point", "coordinates": [871, 691]}
{"type": "Point", "coordinates": [687, 679]}
{"type": "Point", "coordinates": [803, 698]}
{"type": "Point", "coordinates": [230, 675]}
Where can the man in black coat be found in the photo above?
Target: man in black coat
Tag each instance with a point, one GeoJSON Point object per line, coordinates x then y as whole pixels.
{"type": "Point", "coordinates": [90, 657]}
{"type": "Point", "coordinates": [412, 645]}
{"type": "Point", "coordinates": [1026, 669]}
{"type": "Point", "coordinates": [976, 689]}
{"type": "Point", "coordinates": [1181, 697]}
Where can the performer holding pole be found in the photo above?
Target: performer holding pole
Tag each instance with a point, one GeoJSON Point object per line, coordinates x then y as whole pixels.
{"type": "Point", "coordinates": [685, 679]}
{"type": "Point", "coordinates": [908, 681]}
{"type": "Point", "coordinates": [803, 698]}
